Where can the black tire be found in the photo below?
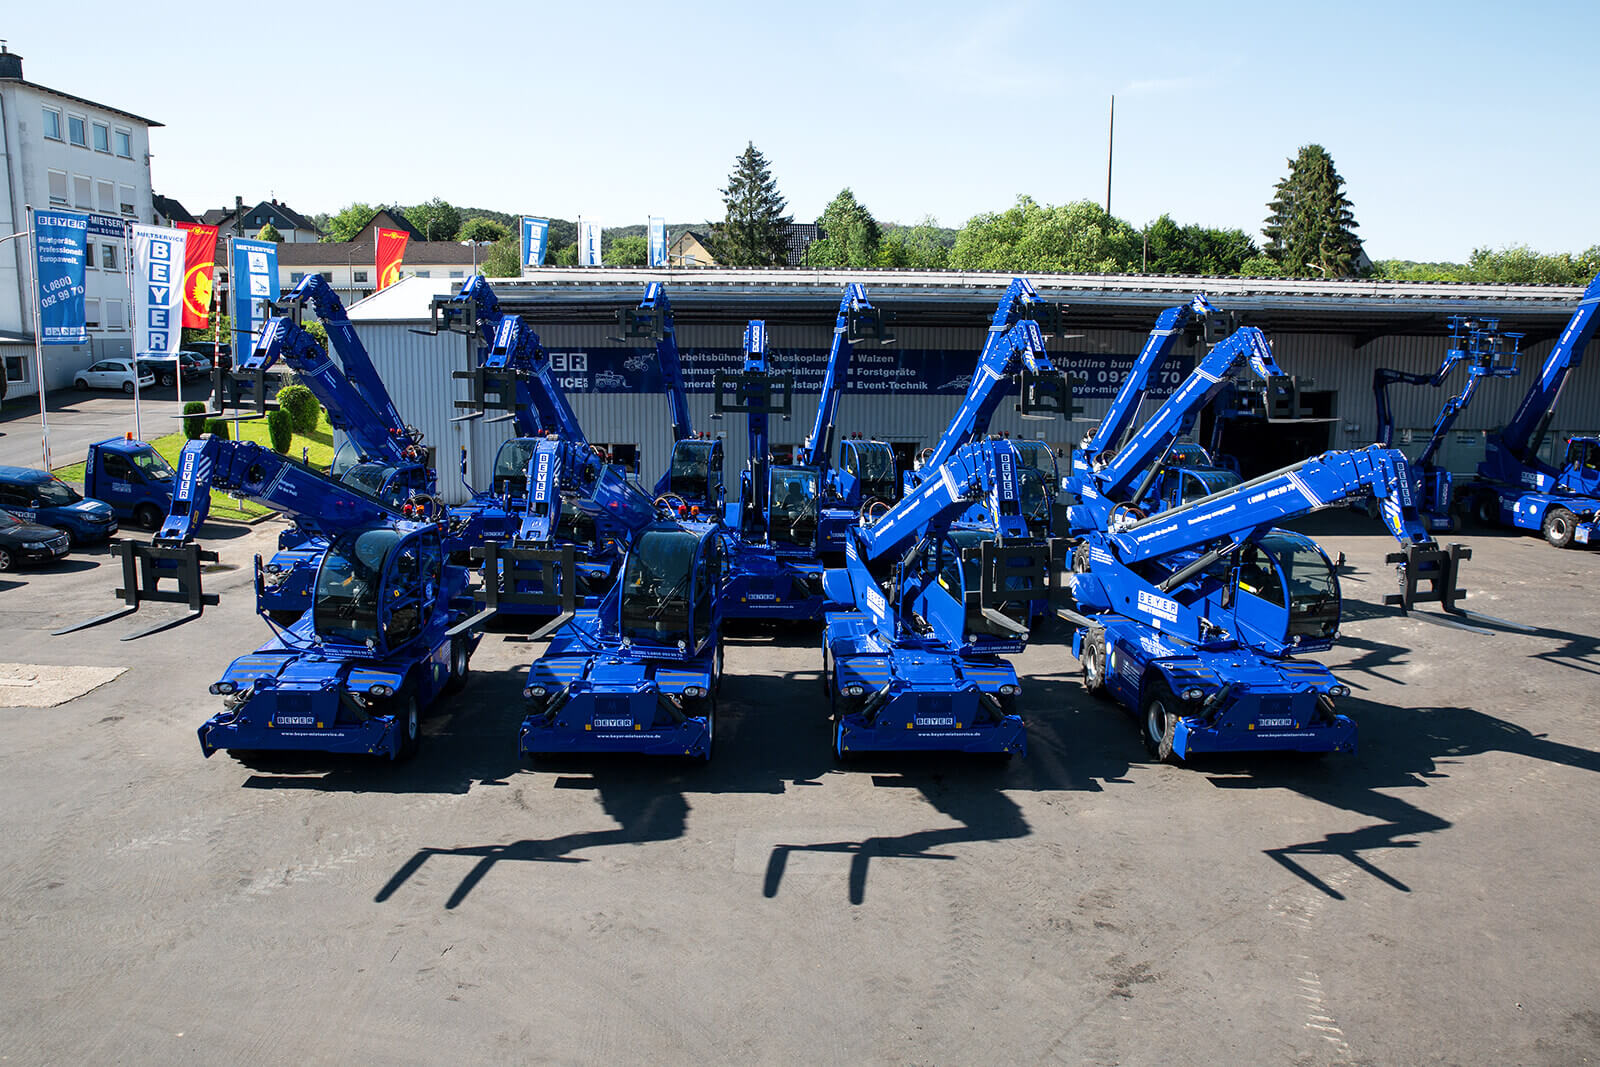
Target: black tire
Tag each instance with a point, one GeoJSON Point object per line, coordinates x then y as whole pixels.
{"type": "Point", "coordinates": [1486, 509]}
{"type": "Point", "coordinates": [167, 381]}
{"type": "Point", "coordinates": [1160, 716]}
{"type": "Point", "coordinates": [827, 671]}
{"type": "Point", "coordinates": [148, 516]}
{"type": "Point", "coordinates": [5, 561]}
{"type": "Point", "coordinates": [1094, 664]}
{"type": "Point", "coordinates": [127, 387]}
{"type": "Point", "coordinates": [460, 663]}
{"type": "Point", "coordinates": [708, 708]}
{"type": "Point", "coordinates": [717, 665]}
{"type": "Point", "coordinates": [1559, 526]}
{"type": "Point", "coordinates": [410, 724]}
{"type": "Point", "coordinates": [80, 385]}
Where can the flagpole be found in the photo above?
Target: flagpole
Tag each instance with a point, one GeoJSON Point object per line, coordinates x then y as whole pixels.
{"type": "Point", "coordinates": [127, 263]}
{"type": "Point", "coordinates": [38, 333]}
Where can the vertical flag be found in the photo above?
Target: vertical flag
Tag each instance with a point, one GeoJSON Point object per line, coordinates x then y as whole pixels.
{"type": "Point", "coordinates": [158, 268]}
{"type": "Point", "coordinates": [60, 242]}
{"type": "Point", "coordinates": [200, 261]}
{"type": "Point", "coordinates": [255, 282]}
{"type": "Point", "coordinates": [535, 237]}
{"type": "Point", "coordinates": [658, 241]}
{"type": "Point", "coordinates": [391, 252]}
{"type": "Point", "coordinates": [588, 243]}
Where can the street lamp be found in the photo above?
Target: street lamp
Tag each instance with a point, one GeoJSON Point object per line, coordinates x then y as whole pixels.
{"type": "Point", "coordinates": [475, 246]}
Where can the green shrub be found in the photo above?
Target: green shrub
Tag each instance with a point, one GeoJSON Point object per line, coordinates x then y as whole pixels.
{"type": "Point", "coordinates": [193, 428]}
{"type": "Point", "coordinates": [217, 428]}
{"type": "Point", "coordinates": [301, 404]}
{"type": "Point", "coordinates": [280, 429]}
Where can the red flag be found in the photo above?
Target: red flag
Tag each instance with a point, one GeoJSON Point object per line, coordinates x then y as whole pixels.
{"type": "Point", "coordinates": [199, 262]}
{"type": "Point", "coordinates": [391, 252]}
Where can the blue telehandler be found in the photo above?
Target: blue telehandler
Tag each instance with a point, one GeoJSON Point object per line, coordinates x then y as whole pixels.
{"type": "Point", "coordinates": [638, 672]}
{"type": "Point", "coordinates": [1196, 617]}
{"type": "Point", "coordinates": [917, 663]}
{"type": "Point", "coordinates": [1488, 353]}
{"type": "Point", "coordinates": [1514, 487]}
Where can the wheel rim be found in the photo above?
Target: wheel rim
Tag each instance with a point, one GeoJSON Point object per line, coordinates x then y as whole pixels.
{"type": "Point", "coordinates": [1558, 527]}
{"type": "Point", "coordinates": [1091, 668]}
{"type": "Point", "coordinates": [5, 560]}
{"type": "Point", "coordinates": [460, 664]}
{"type": "Point", "coordinates": [1156, 720]}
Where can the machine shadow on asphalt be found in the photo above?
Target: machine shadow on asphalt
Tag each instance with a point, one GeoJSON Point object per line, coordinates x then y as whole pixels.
{"type": "Point", "coordinates": [773, 737]}
{"type": "Point", "coordinates": [1401, 748]}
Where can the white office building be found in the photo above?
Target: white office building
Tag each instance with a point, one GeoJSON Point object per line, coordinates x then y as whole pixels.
{"type": "Point", "coordinates": [63, 151]}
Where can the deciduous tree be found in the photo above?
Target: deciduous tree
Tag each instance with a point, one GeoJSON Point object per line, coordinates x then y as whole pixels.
{"type": "Point", "coordinates": [436, 220]}
{"type": "Point", "coordinates": [850, 235]}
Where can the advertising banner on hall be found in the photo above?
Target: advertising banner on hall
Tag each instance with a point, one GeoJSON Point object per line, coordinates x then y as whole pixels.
{"type": "Point", "coordinates": [658, 242]}
{"type": "Point", "coordinates": [391, 253]}
{"type": "Point", "coordinates": [158, 266]}
{"type": "Point", "coordinates": [255, 283]}
{"type": "Point", "coordinates": [60, 240]}
{"type": "Point", "coordinates": [535, 238]}
{"type": "Point", "coordinates": [909, 372]}
{"type": "Point", "coordinates": [200, 262]}
{"type": "Point", "coordinates": [588, 243]}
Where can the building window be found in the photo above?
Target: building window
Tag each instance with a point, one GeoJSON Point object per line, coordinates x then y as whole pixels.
{"type": "Point", "coordinates": [327, 276]}
{"type": "Point", "coordinates": [124, 143]}
{"type": "Point", "coordinates": [114, 314]}
{"type": "Point", "coordinates": [421, 274]}
{"type": "Point", "coordinates": [58, 188]}
{"type": "Point", "coordinates": [52, 124]}
{"type": "Point", "coordinates": [83, 192]}
{"type": "Point", "coordinates": [458, 274]}
{"type": "Point", "coordinates": [126, 199]}
{"type": "Point", "coordinates": [102, 138]}
{"type": "Point", "coordinates": [105, 195]}
{"type": "Point", "coordinates": [77, 131]}
{"type": "Point", "coordinates": [16, 368]}
{"type": "Point", "coordinates": [361, 277]}
{"type": "Point", "coordinates": [108, 257]}
{"type": "Point", "coordinates": [91, 312]}
{"type": "Point", "coordinates": [295, 277]}
{"type": "Point", "coordinates": [258, 220]}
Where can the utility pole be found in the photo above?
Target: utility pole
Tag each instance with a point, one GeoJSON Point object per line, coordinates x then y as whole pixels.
{"type": "Point", "coordinates": [1111, 144]}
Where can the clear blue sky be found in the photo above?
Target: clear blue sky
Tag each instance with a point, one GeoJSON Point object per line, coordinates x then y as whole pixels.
{"type": "Point", "coordinates": [1455, 125]}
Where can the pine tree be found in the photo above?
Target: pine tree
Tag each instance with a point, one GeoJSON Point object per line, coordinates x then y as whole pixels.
{"type": "Point", "coordinates": [755, 232]}
{"type": "Point", "coordinates": [1310, 230]}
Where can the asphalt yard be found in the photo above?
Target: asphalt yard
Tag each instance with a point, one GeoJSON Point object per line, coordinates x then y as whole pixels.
{"type": "Point", "coordinates": [1430, 899]}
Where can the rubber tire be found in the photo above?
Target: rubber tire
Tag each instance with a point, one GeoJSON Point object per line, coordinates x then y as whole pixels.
{"type": "Point", "coordinates": [127, 387]}
{"type": "Point", "coordinates": [80, 384]}
{"type": "Point", "coordinates": [5, 561]}
{"type": "Point", "coordinates": [147, 516]}
{"type": "Point", "coordinates": [167, 381]}
{"type": "Point", "coordinates": [1161, 701]}
{"type": "Point", "coordinates": [1486, 509]}
{"type": "Point", "coordinates": [718, 666]}
{"type": "Point", "coordinates": [827, 673]}
{"type": "Point", "coordinates": [460, 664]}
{"type": "Point", "coordinates": [1094, 665]}
{"type": "Point", "coordinates": [411, 725]}
{"type": "Point", "coordinates": [708, 705]}
{"type": "Point", "coordinates": [1559, 526]}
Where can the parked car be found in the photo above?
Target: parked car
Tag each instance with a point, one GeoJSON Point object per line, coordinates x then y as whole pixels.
{"type": "Point", "coordinates": [200, 361]}
{"type": "Point", "coordinates": [28, 542]}
{"type": "Point", "coordinates": [166, 368]}
{"type": "Point", "coordinates": [39, 496]}
{"type": "Point", "coordinates": [113, 374]}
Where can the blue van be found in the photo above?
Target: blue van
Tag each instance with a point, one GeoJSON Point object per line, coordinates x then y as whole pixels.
{"type": "Point", "coordinates": [132, 477]}
{"type": "Point", "coordinates": [39, 496]}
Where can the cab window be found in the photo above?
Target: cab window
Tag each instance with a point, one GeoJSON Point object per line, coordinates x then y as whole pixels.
{"type": "Point", "coordinates": [117, 466]}
{"type": "Point", "coordinates": [1258, 575]}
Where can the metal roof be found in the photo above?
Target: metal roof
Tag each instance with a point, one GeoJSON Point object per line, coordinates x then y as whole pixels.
{"type": "Point", "coordinates": [1365, 310]}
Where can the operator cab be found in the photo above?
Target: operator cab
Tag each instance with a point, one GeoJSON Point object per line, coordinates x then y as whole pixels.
{"type": "Point", "coordinates": [377, 586]}
{"type": "Point", "coordinates": [1287, 593]}
{"type": "Point", "coordinates": [958, 576]}
{"type": "Point", "coordinates": [793, 506]}
{"type": "Point", "coordinates": [695, 472]}
{"type": "Point", "coordinates": [868, 472]}
{"type": "Point", "coordinates": [668, 594]}
{"type": "Point", "coordinates": [1580, 470]}
{"type": "Point", "coordinates": [391, 484]}
{"type": "Point", "coordinates": [511, 467]}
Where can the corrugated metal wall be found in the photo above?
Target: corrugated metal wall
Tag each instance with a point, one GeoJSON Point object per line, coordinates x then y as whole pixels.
{"type": "Point", "coordinates": [417, 370]}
